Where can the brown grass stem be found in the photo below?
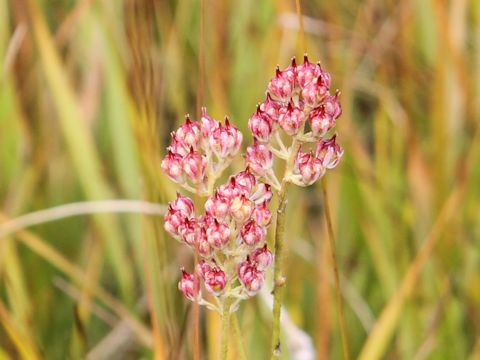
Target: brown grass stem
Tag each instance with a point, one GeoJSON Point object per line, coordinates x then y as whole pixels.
{"type": "Point", "coordinates": [338, 291]}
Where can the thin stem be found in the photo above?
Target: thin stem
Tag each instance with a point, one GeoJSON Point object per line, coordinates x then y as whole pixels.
{"type": "Point", "coordinates": [225, 329]}
{"type": "Point", "coordinates": [238, 338]}
{"type": "Point", "coordinates": [301, 43]}
{"type": "Point", "coordinates": [331, 238]}
{"type": "Point", "coordinates": [278, 276]}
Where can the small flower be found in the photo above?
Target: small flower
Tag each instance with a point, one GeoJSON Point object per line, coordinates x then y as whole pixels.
{"type": "Point", "coordinates": [225, 140]}
{"type": "Point", "coordinates": [184, 205]}
{"type": "Point", "coordinates": [283, 83]}
{"type": "Point", "coordinates": [172, 166]}
{"type": "Point", "coordinates": [262, 214]}
{"type": "Point", "coordinates": [218, 234]}
{"type": "Point", "coordinates": [307, 72]}
{"type": "Point", "coordinates": [215, 280]}
{"type": "Point", "coordinates": [315, 91]}
{"type": "Point", "coordinates": [241, 208]}
{"type": "Point", "coordinates": [207, 124]}
{"type": "Point", "coordinates": [189, 231]}
{"type": "Point", "coordinates": [195, 166]}
{"type": "Point", "coordinates": [291, 119]}
{"type": "Point", "coordinates": [252, 234]}
{"type": "Point", "coordinates": [261, 125]}
{"type": "Point", "coordinates": [271, 108]}
{"type": "Point", "coordinates": [329, 152]}
{"type": "Point", "coordinates": [189, 286]}
{"type": "Point", "coordinates": [174, 222]}
{"type": "Point", "coordinates": [204, 248]}
{"type": "Point", "coordinates": [251, 277]}
{"type": "Point", "coordinates": [218, 206]}
{"type": "Point", "coordinates": [189, 133]}
{"type": "Point", "coordinates": [244, 181]}
{"type": "Point", "coordinates": [259, 158]}
{"type": "Point", "coordinates": [309, 167]}
{"type": "Point", "coordinates": [262, 257]}
{"type": "Point", "coordinates": [263, 193]}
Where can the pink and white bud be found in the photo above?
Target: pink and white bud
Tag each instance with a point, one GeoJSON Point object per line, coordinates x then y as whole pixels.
{"type": "Point", "coordinates": [259, 158]}
{"type": "Point", "coordinates": [262, 214]}
{"type": "Point", "coordinates": [184, 205]}
{"type": "Point", "coordinates": [218, 234]}
{"type": "Point", "coordinates": [215, 280]}
{"type": "Point", "coordinates": [244, 182]}
{"type": "Point", "coordinates": [241, 208]}
{"type": "Point", "coordinates": [188, 134]}
{"type": "Point", "coordinates": [189, 231]}
{"type": "Point", "coordinates": [261, 125]}
{"type": "Point", "coordinates": [263, 193]}
{"type": "Point", "coordinates": [291, 119]}
{"type": "Point", "coordinates": [307, 72]}
{"type": "Point", "coordinates": [195, 166]}
{"type": "Point", "coordinates": [320, 121]}
{"type": "Point", "coordinates": [309, 167]}
{"type": "Point", "coordinates": [225, 140]}
{"type": "Point", "coordinates": [172, 166]}
{"type": "Point", "coordinates": [174, 222]}
{"type": "Point", "coordinates": [178, 147]}
{"type": "Point", "coordinates": [252, 234]}
{"type": "Point", "coordinates": [251, 277]}
{"type": "Point", "coordinates": [271, 108]}
{"type": "Point", "coordinates": [207, 124]}
{"type": "Point", "coordinates": [332, 105]}
{"type": "Point", "coordinates": [189, 286]}
{"type": "Point", "coordinates": [204, 248]}
{"type": "Point", "coordinates": [315, 91]}
{"type": "Point", "coordinates": [282, 84]}
{"type": "Point", "coordinates": [262, 257]}
{"type": "Point", "coordinates": [218, 206]}
{"type": "Point", "coordinates": [329, 152]}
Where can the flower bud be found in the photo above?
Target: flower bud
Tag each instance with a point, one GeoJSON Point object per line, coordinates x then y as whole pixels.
{"type": "Point", "coordinates": [320, 121]}
{"type": "Point", "coordinates": [329, 152]}
{"type": "Point", "coordinates": [263, 193]}
{"type": "Point", "coordinates": [189, 286]}
{"type": "Point", "coordinates": [271, 108]}
{"type": "Point", "coordinates": [189, 133]}
{"type": "Point", "coordinates": [225, 140]}
{"type": "Point", "coordinates": [215, 280]}
{"type": "Point", "coordinates": [262, 214]}
{"type": "Point", "coordinates": [195, 166]}
{"type": "Point", "coordinates": [262, 257]}
{"type": "Point", "coordinates": [172, 166]}
{"type": "Point", "coordinates": [252, 234]}
{"type": "Point", "coordinates": [315, 91]}
{"type": "Point", "coordinates": [260, 124]}
{"type": "Point", "coordinates": [307, 72]}
{"type": "Point", "coordinates": [291, 119]}
{"type": "Point", "coordinates": [178, 147]}
{"type": "Point", "coordinates": [244, 182]}
{"type": "Point", "coordinates": [174, 221]}
{"type": "Point", "coordinates": [207, 124]}
{"type": "Point", "coordinates": [203, 246]}
{"type": "Point", "coordinates": [241, 208]}
{"type": "Point", "coordinates": [189, 231]}
{"type": "Point", "coordinates": [309, 167]}
{"type": "Point", "coordinates": [259, 158]}
{"type": "Point", "coordinates": [251, 277]}
{"type": "Point", "coordinates": [218, 234]}
{"type": "Point", "coordinates": [184, 205]}
{"type": "Point", "coordinates": [282, 84]}
{"type": "Point", "coordinates": [217, 206]}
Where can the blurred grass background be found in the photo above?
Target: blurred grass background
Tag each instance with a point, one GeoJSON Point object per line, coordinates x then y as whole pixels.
{"type": "Point", "coordinates": [89, 91]}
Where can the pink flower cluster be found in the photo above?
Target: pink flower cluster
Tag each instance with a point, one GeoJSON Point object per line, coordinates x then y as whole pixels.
{"type": "Point", "coordinates": [298, 98]}
{"type": "Point", "coordinates": [195, 145]}
{"type": "Point", "coordinates": [232, 230]}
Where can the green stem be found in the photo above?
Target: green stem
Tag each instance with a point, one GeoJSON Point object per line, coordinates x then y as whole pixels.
{"type": "Point", "coordinates": [225, 329]}
{"type": "Point", "coordinates": [331, 238]}
{"type": "Point", "coordinates": [238, 338]}
{"type": "Point", "coordinates": [278, 276]}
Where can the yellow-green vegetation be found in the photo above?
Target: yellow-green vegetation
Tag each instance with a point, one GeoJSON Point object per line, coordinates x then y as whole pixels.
{"type": "Point", "coordinates": [89, 92]}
